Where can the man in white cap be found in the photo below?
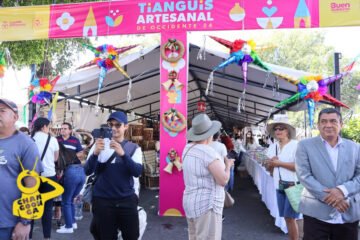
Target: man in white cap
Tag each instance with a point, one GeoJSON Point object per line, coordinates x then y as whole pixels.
{"type": "Point", "coordinates": [14, 146]}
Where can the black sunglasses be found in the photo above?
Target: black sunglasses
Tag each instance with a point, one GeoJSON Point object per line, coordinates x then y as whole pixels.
{"type": "Point", "coordinates": [116, 125]}
{"type": "Point", "coordinates": [279, 129]}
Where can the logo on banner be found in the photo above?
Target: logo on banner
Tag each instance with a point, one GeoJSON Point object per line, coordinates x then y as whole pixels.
{"type": "Point", "coordinates": [340, 7]}
{"type": "Point", "coordinates": [111, 22]}
{"type": "Point", "coordinates": [12, 24]}
{"type": "Point", "coordinates": [173, 15]}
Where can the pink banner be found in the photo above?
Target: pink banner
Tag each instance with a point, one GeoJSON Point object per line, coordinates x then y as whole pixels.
{"type": "Point", "coordinates": [173, 97]}
{"type": "Point", "coordinates": [134, 17]}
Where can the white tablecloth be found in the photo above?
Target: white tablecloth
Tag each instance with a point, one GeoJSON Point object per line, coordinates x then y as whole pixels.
{"type": "Point", "coordinates": [265, 185]}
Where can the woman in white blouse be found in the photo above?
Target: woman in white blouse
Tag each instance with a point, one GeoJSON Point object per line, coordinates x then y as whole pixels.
{"type": "Point", "coordinates": [205, 176]}
{"type": "Point", "coordinates": [282, 161]}
{"type": "Point", "coordinates": [49, 149]}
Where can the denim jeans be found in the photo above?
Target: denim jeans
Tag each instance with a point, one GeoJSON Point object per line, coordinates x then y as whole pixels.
{"type": "Point", "coordinates": [74, 179]}
{"type": "Point", "coordinates": [47, 216]}
{"type": "Point", "coordinates": [6, 233]}
{"type": "Point", "coordinates": [230, 185]}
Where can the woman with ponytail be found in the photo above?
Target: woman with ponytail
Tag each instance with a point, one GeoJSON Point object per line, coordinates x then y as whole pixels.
{"type": "Point", "coordinates": [49, 152]}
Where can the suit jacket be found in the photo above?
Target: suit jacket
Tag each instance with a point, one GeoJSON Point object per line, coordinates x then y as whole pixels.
{"type": "Point", "coordinates": [316, 172]}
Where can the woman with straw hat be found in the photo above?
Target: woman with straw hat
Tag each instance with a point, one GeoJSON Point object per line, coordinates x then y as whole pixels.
{"type": "Point", "coordinates": [282, 160]}
{"type": "Point", "coordinates": [205, 176]}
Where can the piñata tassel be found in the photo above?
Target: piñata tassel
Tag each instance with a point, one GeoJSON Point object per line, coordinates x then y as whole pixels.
{"type": "Point", "coordinates": [241, 102]}
{"type": "Point", "coordinates": [128, 96]}
{"type": "Point", "coordinates": [267, 79]}
{"type": "Point", "coordinates": [244, 66]}
{"type": "Point", "coordinates": [311, 111]}
{"type": "Point", "coordinates": [210, 84]}
{"type": "Point", "coordinates": [202, 51]}
{"type": "Point", "coordinates": [276, 87]}
{"type": "Point", "coordinates": [102, 76]}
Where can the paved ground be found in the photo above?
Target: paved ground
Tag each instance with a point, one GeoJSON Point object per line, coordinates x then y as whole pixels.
{"type": "Point", "coordinates": [248, 219]}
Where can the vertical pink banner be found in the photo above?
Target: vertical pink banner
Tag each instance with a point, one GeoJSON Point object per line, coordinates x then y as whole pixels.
{"type": "Point", "coordinates": [172, 184]}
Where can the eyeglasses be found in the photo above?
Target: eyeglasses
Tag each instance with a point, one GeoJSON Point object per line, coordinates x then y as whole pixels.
{"type": "Point", "coordinates": [279, 129]}
{"type": "Point", "coordinates": [116, 125]}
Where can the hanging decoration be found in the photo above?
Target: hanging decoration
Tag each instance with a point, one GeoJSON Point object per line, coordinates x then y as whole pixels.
{"type": "Point", "coordinates": [173, 87]}
{"type": "Point", "coordinates": [312, 89]}
{"type": "Point", "coordinates": [172, 160]}
{"type": "Point", "coordinates": [201, 105]}
{"type": "Point", "coordinates": [41, 90]}
{"type": "Point", "coordinates": [2, 64]}
{"type": "Point", "coordinates": [173, 121]}
{"type": "Point", "coordinates": [106, 58]}
{"type": "Point", "coordinates": [176, 49]}
{"type": "Point", "coordinates": [242, 53]}
{"type": "Point", "coordinates": [53, 106]}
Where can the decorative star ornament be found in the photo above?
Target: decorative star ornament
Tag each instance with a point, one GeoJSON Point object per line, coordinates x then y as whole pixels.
{"type": "Point", "coordinates": [107, 57]}
{"type": "Point", "coordinates": [41, 90]}
{"type": "Point", "coordinates": [312, 89]}
{"type": "Point", "coordinates": [242, 53]}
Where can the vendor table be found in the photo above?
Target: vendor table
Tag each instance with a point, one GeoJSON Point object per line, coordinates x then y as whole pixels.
{"type": "Point", "coordinates": [265, 185]}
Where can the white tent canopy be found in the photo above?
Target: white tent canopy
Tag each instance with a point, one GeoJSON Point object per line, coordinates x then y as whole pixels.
{"type": "Point", "coordinates": [143, 67]}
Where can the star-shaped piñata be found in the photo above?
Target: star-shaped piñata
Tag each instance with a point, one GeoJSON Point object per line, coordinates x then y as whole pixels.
{"type": "Point", "coordinates": [242, 53]}
{"type": "Point", "coordinates": [107, 57]}
{"type": "Point", "coordinates": [312, 89]}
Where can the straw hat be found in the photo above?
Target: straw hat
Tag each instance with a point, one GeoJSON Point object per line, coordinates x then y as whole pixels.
{"type": "Point", "coordinates": [202, 128]}
{"type": "Point", "coordinates": [281, 119]}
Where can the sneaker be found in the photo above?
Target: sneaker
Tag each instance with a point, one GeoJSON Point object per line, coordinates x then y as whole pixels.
{"type": "Point", "coordinates": [65, 230]}
{"type": "Point", "coordinates": [74, 226]}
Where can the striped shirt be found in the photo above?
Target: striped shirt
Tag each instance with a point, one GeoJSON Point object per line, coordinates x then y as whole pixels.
{"type": "Point", "coordinates": [202, 193]}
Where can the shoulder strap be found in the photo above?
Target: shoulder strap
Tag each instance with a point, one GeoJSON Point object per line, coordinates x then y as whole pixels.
{"type": "Point", "coordinates": [276, 146]}
{"type": "Point", "coordinates": [46, 147]}
{"type": "Point", "coordinates": [189, 149]}
{"type": "Point", "coordinates": [129, 147]}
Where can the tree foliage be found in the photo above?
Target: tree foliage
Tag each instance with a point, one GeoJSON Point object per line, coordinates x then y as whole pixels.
{"type": "Point", "coordinates": [352, 129]}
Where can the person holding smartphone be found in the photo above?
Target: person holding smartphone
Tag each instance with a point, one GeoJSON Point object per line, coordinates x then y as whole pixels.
{"type": "Point", "coordinates": [115, 202]}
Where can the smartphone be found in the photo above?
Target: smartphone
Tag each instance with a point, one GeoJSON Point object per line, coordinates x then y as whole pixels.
{"type": "Point", "coordinates": [102, 133]}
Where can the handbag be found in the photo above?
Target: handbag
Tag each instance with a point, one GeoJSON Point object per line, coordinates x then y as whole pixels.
{"type": "Point", "coordinates": [292, 190]}
{"type": "Point", "coordinates": [294, 195]}
{"type": "Point", "coordinates": [229, 200]}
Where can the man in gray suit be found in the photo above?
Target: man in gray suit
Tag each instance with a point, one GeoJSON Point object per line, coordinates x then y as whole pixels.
{"type": "Point", "coordinates": [328, 166]}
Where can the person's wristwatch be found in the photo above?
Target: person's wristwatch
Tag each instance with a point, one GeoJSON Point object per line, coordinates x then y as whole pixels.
{"type": "Point", "coordinates": [24, 222]}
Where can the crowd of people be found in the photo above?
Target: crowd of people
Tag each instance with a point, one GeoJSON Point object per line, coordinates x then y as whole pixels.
{"type": "Point", "coordinates": [116, 162]}
{"type": "Point", "coordinates": [328, 166]}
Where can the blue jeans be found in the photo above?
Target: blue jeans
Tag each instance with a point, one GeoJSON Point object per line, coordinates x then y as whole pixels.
{"type": "Point", "coordinates": [6, 233]}
{"type": "Point", "coordinates": [74, 179]}
{"type": "Point", "coordinates": [230, 185]}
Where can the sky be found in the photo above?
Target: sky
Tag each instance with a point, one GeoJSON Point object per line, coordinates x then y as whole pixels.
{"type": "Point", "coordinates": [345, 40]}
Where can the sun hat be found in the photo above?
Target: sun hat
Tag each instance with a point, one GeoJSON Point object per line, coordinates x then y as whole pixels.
{"type": "Point", "coordinates": [281, 119]}
{"type": "Point", "coordinates": [202, 128]}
